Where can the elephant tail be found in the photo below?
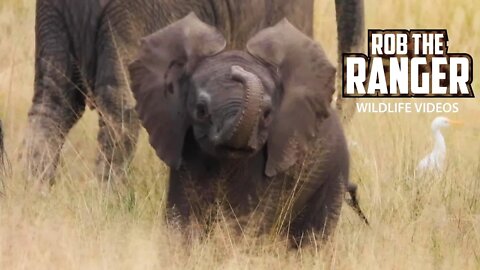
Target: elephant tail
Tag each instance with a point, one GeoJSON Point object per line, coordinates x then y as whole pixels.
{"type": "Point", "coordinates": [353, 202]}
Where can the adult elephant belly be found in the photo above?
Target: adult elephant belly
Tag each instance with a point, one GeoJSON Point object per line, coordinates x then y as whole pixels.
{"type": "Point", "coordinates": [236, 20]}
{"type": "Point", "coordinates": [240, 20]}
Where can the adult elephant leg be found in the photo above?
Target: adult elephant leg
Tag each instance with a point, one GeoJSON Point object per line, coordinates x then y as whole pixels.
{"type": "Point", "coordinates": [118, 121]}
{"type": "Point", "coordinates": [351, 38]}
{"type": "Point", "coordinates": [58, 102]}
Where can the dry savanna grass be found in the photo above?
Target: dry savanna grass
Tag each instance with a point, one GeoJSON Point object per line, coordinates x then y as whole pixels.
{"type": "Point", "coordinates": [416, 223]}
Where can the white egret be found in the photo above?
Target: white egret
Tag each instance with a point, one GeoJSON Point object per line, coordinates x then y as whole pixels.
{"type": "Point", "coordinates": [435, 161]}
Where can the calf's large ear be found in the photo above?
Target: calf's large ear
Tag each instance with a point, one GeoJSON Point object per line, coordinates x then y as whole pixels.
{"type": "Point", "coordinates": [308, 83]}
{"type": "Point", "coordinates": [165, 58]}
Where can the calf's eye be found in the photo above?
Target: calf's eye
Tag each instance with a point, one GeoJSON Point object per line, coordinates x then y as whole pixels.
{"type": "Point", "coordinates": [267, 113]}
{"type": "Point", "coordinates": [201, 111]}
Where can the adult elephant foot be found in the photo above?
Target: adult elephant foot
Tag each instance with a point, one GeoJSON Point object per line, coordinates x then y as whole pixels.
{"type": "Point", "coordinates": [42, 147]}
{"type": "Point", "coordinates": [43, 142]}
{"type": "Point", "coordinates": [52, 115]}
{"type": "Point", "coordinates": [117, 136]}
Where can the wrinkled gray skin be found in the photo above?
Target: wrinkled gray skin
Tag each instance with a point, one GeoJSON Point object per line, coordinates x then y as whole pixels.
{"type": "Point", "coordinates": [350, 22]}
{"type": "Point", "coordinates": [83, 47]}
{"type": "Point", "coordinates": [251, 131]}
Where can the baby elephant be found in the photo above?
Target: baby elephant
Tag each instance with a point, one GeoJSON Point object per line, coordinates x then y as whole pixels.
{"type": "Point", "coordinates": [251, 132]}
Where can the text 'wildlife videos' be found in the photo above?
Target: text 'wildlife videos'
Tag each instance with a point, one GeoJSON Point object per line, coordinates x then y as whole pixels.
{"type": "Point", "coordinates": [407, 107]}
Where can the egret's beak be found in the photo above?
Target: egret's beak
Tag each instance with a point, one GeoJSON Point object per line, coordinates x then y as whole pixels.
{"type": "Point", "coordinates": [455, 122]}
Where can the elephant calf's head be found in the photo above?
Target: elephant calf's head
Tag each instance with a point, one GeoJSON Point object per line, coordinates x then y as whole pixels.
{"type": "Point", "coordinates": [230, 104]}
{"type": "Point", "coordinates": [235, 102]}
